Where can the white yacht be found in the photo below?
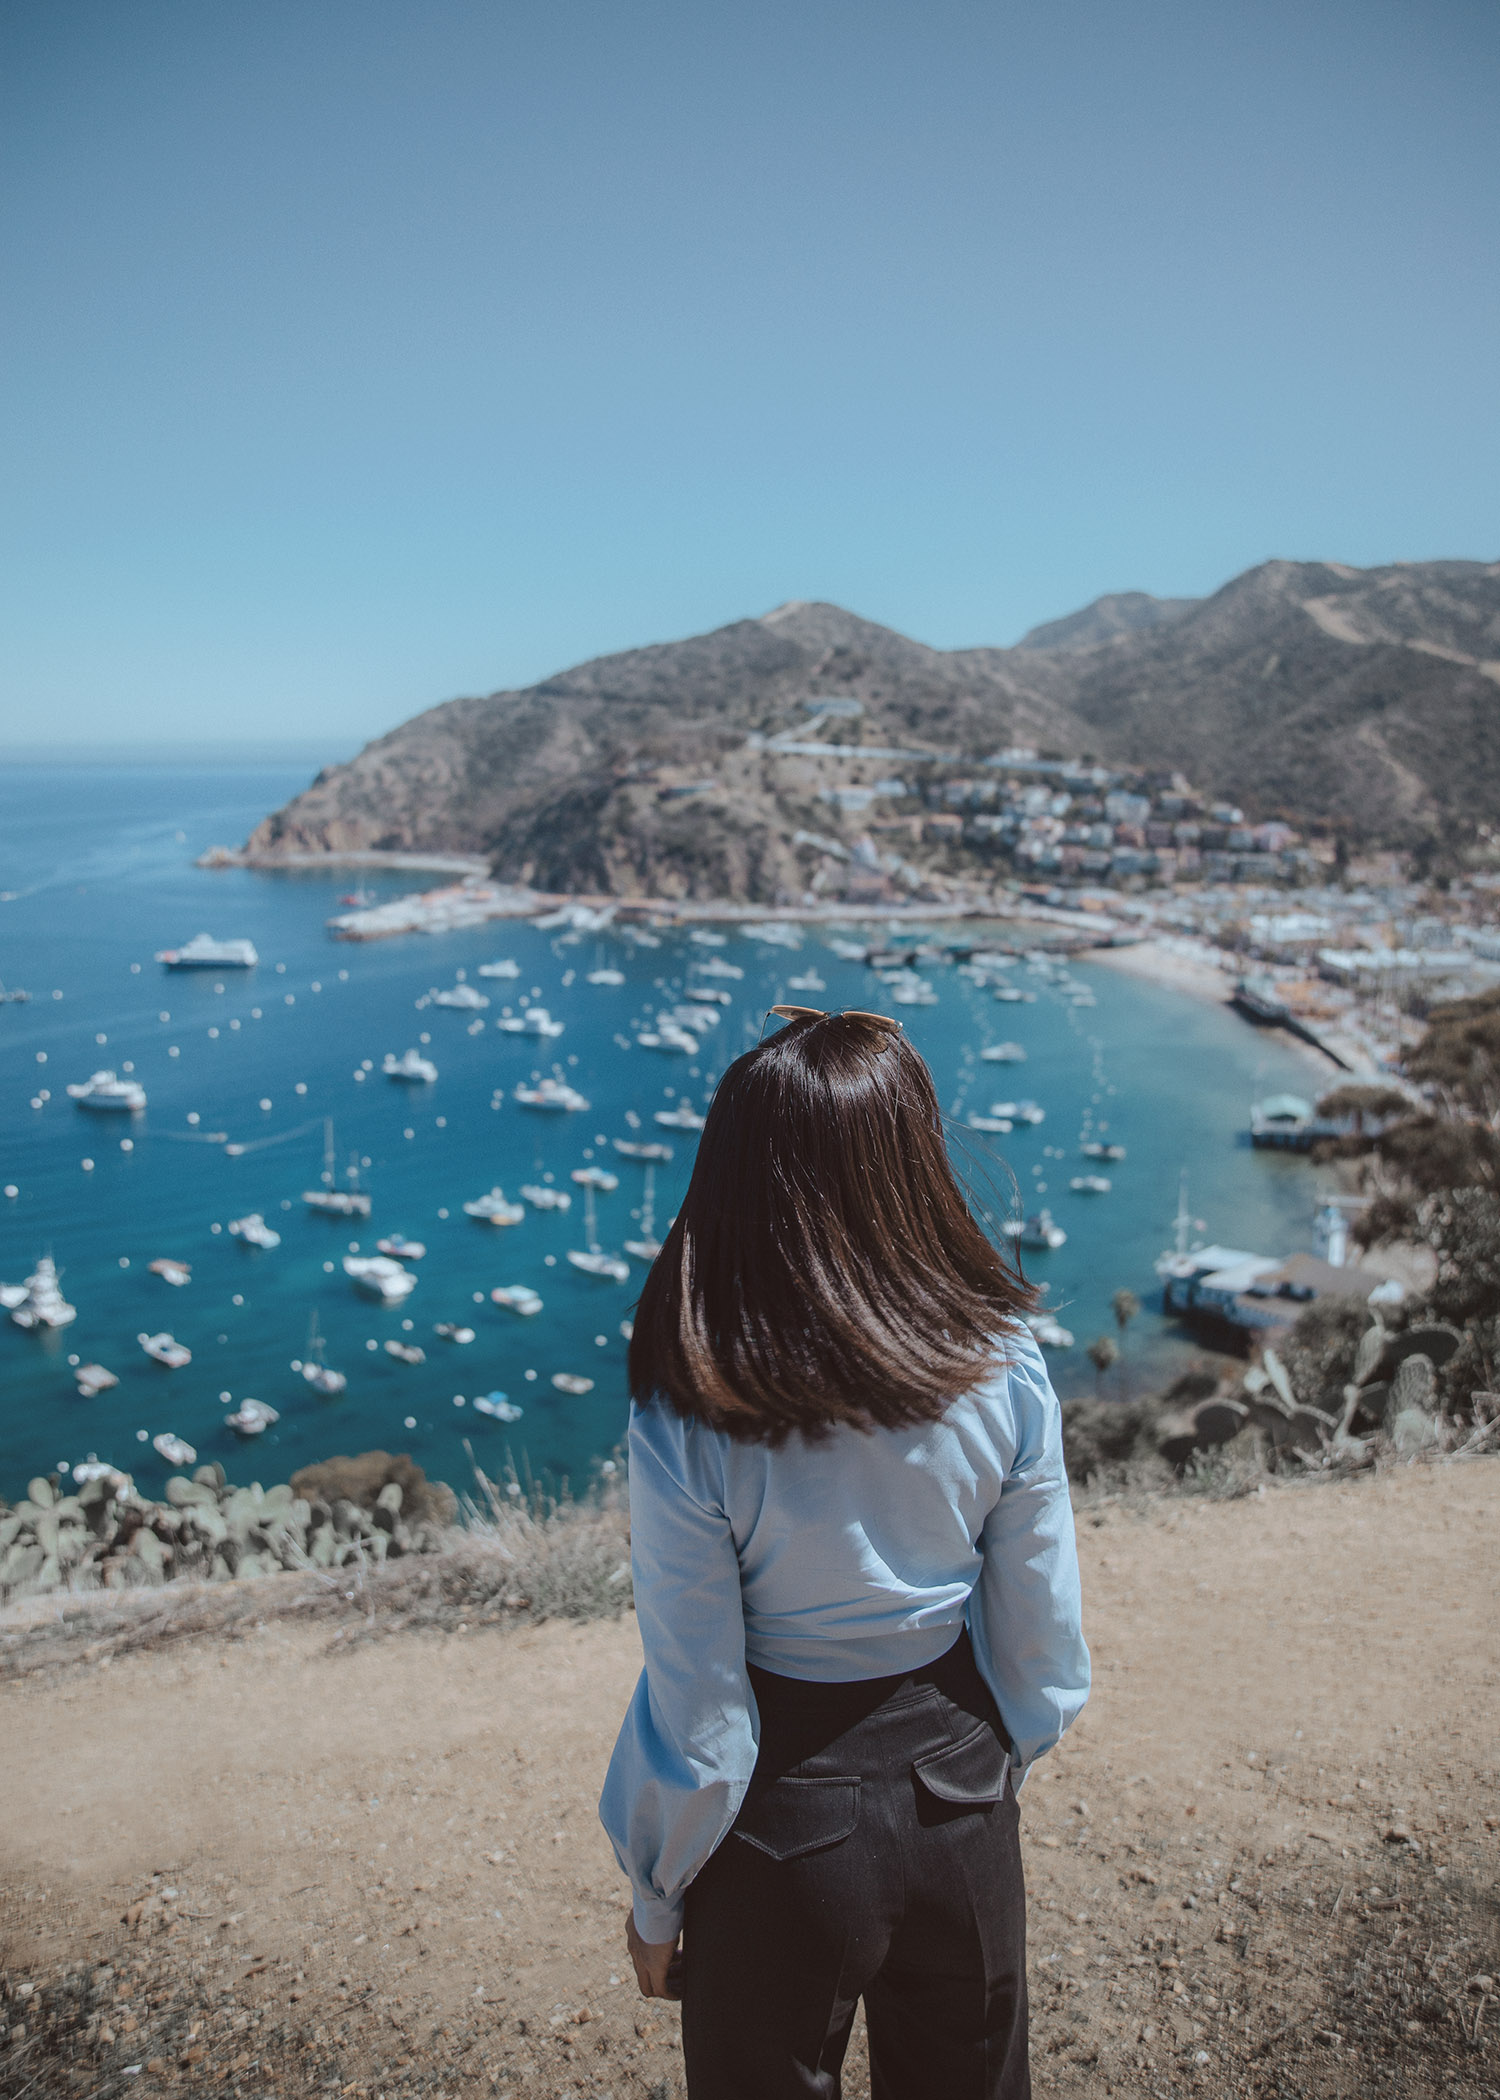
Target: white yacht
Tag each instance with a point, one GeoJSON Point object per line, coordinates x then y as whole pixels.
{"type": "Point", "coordinates": [1091, 1184]}
{"type": "Point", "coordinates": [809, 981]}
{"type": "Point", "coordinates": [517, 1298]}
{"type": "Point", "coordinates": [105, 1090]}
{"type": "Point", "coordinates": [462, 996]}
{"type": "Point", "coordinates": [405, 1352]}
{"type": "Point", "coordinates": [535, 1020]}
{"type": "Point", "coordinates": [605, 976]}
{"type": "Point", "coordinates": [992, 1126]}
{"type": "Point", "coordinates": [498, 1407]}
{"type": "Point", "coordinates": [251, 1418]}
{"type": "Point", "coordinates": [717, 967]}
{"type": "Point", "coordinates": [254, 1231]}
{"type": "Point", "coordinates": [1096, 1148]}
{"type": "Point", "coordinates": [452, 1331]}
{"type": "Point", "coordinates": [683, 1117]}
{"type": "Point", "coordinates": [776, 933]}
{"type": "Point", "coordinates": [493, 1208]}
{"type": "Point", "coordinates": [700, 1018]}
{"type": "Point", "coordinates": [590, 1258]}
{"type": "Point", "coordinates": [641, 1148]}
{"type": "Point", "coordinates": [542, 1196]}
{"type": "Point", "coordinates": [1049, 1331]}
{"type": "Point", "coordinates": [411, 1064]}
{"type": "Point", "coordinates": [550, 1093]}
{"type": "Point", "coordinates": [203, 952]}
{"type": "Point", "coordinates": [1004, 1054]}
{"type": "Point", "coordinates": [163, 1349]}
{"type": "Point", "coordinates": [647, 1246]}
{"type": "Point", "coordinates": [381, 1277]}
{"type": "Point", "coordinates": [1019, 1111]}
{"type": "Point", "coordinates": [312, 1367]}
{"type": "Point", "coordinates": [173, 1449]}
{"type": "Point", "coordinates": [708, 996]}
{"type": "Point", "coordinates": [570, 1382]}
{"type": "Point", "coordinates": [596, 1178]}
{"type": "Point", "coordinates": [350, 1202]}
{"type": "Point", "coordinates": [40, 1302]}
{"type": "Point", "coordinates": [400, 1248]}
{"type": "Point", "coordinates": [666, 1035]}
{"type": "Point", "coordinates": [93, 1379]}
{"type": "Point", "coordinates": [703, 939]}
{"type": "Point", "coordinates": [177, 1273]}
{"type": "Point", "coordinates": [1038, 1232]}
{"type": "Point", "coordinates": [502, 968]}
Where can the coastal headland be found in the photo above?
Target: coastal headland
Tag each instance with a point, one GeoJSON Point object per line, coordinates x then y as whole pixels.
{"type": "Point", "coordinates": [294, 1862]}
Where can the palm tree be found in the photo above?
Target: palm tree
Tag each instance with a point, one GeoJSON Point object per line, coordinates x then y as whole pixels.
{"type": "Point", "coordinates": [1125, 1306]}
{"type": "Point", "coordinates": [1102, 1352]}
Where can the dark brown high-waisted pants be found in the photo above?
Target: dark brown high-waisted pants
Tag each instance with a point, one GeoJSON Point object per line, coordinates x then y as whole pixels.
{"type": "Point", "coordinates": [877, 1855]}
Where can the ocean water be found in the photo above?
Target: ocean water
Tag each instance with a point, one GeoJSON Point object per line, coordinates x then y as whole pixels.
{"type": "Point", "coordinates": [97, 873]}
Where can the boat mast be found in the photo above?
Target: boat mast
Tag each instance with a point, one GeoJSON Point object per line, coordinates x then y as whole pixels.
{"type": "Point", "coordinates": [590, 1225]}
{"type": "Point", "coordinates": [1183, 1221]}
{"type": "Point", "coordinates": [328, 1175]}
{"type": "Point", "coordinates": [648, 1202]}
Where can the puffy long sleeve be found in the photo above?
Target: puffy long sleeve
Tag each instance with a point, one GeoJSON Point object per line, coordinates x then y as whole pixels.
{"type": "Point", "coordinates": [1025, 1612]}
{"type": "Point", "coordinates": [687, 1748]}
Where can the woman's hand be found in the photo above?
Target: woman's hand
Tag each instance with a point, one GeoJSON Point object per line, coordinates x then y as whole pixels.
{"type": "Point", "coordinates": [654, 1963]}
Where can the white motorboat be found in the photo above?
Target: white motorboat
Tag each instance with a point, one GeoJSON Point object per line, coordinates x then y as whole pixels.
{"type": "Point", "coordinates": [602, 977]}
{"type": "Point", "coordinates": [501, 968]}
{"type": "Point", "coordinates": [1012, 995]}
{"type": "Point", "coordinates": [464, 997]}
{"type": "Point", "coordinates": [381, 1277]}
{"type": "Point", "coordinates": [550, 1094]}
{"type": "Point", "coordinates": [1019, 1111]}
{"type": "Point", "coordinates": [666, 1035]}
{"type": "Point", "coordinates": [570, 1382]}
{"type": "Point", "coordinates": [173, 1449]}
{"type": "Point", "coordinates": [809, 981]}
{"type": "Point", "coordinates": [596, 1178]}
{"type": "Point", "coordinates": [405, 1352]}
{"type": "Point", "coordinates": [647, 1246]}
{"type": "Point", "coordinates": [252, 1418]}
{"type": "Point", "coordinates": [700, 1017]}
{"type": "Point", "coordinates": [254, 1231]}
{"type": "Point", "coordinates": [641, 1148]}
{"type": "Point", "coordinates": [313, 1369]}
{"type": "Point", "coordinates": [534, 1021]}
{"type": "Point", "coordinates": [702, 938]}
{"type": "Point", "coordinates": [163, 1349]}
{"type": "Point", "coordinates": [911, 990]}
{"type": "Point", "coordinates": [41, 1302]}
{"type": "Point", "coordinates": [94, 1379]}
{"type": "Point", "coordinates": [708, 996]}
{"type": "Point", "coordinates": [203, 952]}
{"type": "Point", "coordinates": [350, 1202]}
{"type": "Point", "coordinates": [683, 1117]}
{"type": "Point", "coordinates": [992, 1126]}
{"type": "Point", "coordinates": [717, 967]}
{"type": "Point", "coordinates": [590, 1258]}
{"type": "Point", "coordinates": [1004, 1054]}
{"type": "Point", "coordinates": [517, 1298]}
{"type": "Point", "coordinates": [411, 1064]}
{"type": "Point", "coordinates": [493, 1208]}
{"type": "Point", "coordinates": [542, 1196]}
{"type": "Point", "coordinates": [177, 1273]}
{"type": "Point", "coordinates": [105, 1091]}
{"type": "Point", "coordinates": [400, 1248]}
{"type": "Point", "coordinates": [775, 933]}
{"type": "Point", "coordinates": [1091, 1184]}
{"type": "Point", "coordinates": [452, 1331]}
{"type": "Point", "coordinates": [1048, 1331]}
{"type": "Point", "coordinates": [1038, 1232]}
{"type": "Point", "coordinates": [498, 1408]}
{"type": "Point", "coordinates": [1098, 1149]}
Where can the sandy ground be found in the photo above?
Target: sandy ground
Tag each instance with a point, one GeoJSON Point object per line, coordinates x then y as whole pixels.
{"type": "Point", "coordinates": [1263, 1863]}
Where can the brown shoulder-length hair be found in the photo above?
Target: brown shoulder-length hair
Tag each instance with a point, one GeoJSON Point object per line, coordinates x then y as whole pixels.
{"type": "Point", "coordinates": [824, 1266]}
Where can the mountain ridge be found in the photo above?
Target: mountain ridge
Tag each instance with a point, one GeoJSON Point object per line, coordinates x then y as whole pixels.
{"type": "Point", "coordinates": [1366, 701]}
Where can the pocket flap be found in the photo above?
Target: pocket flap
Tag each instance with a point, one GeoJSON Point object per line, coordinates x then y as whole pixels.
{"type": "Point", "coordinates": [794, 1816]}
{"type": "Point", "coordinates": [971, 1770]}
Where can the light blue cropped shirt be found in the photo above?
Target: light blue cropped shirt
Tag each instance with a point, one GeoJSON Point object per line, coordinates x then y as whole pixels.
{"type": "Point", "coordinates": [858, 1556]}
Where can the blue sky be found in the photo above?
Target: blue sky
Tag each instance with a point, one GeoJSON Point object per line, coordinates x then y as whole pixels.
{"type": "Point", "coordinates": [357, 354]}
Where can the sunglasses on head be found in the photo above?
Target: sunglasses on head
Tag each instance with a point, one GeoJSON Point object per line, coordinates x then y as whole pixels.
{"type": "Point", "coordinates": [848, 1013]}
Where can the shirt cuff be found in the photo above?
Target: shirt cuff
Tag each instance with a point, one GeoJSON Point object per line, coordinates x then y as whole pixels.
{"type": "Point", "coordinates": [657, 1922]}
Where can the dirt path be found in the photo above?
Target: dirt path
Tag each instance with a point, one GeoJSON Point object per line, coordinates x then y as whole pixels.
{"type": "Point", "coordinates": [1265, 1861]}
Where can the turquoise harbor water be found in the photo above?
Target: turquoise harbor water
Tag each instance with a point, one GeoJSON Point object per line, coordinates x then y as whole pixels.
{"type": "Point", "coordinates": [97, 869]}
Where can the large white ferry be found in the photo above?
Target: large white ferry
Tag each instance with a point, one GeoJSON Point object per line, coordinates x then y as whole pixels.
{"type": "Point", "coordinates": [106, 1090]}
{"type": "Point", "coordinates": [203, 952]}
